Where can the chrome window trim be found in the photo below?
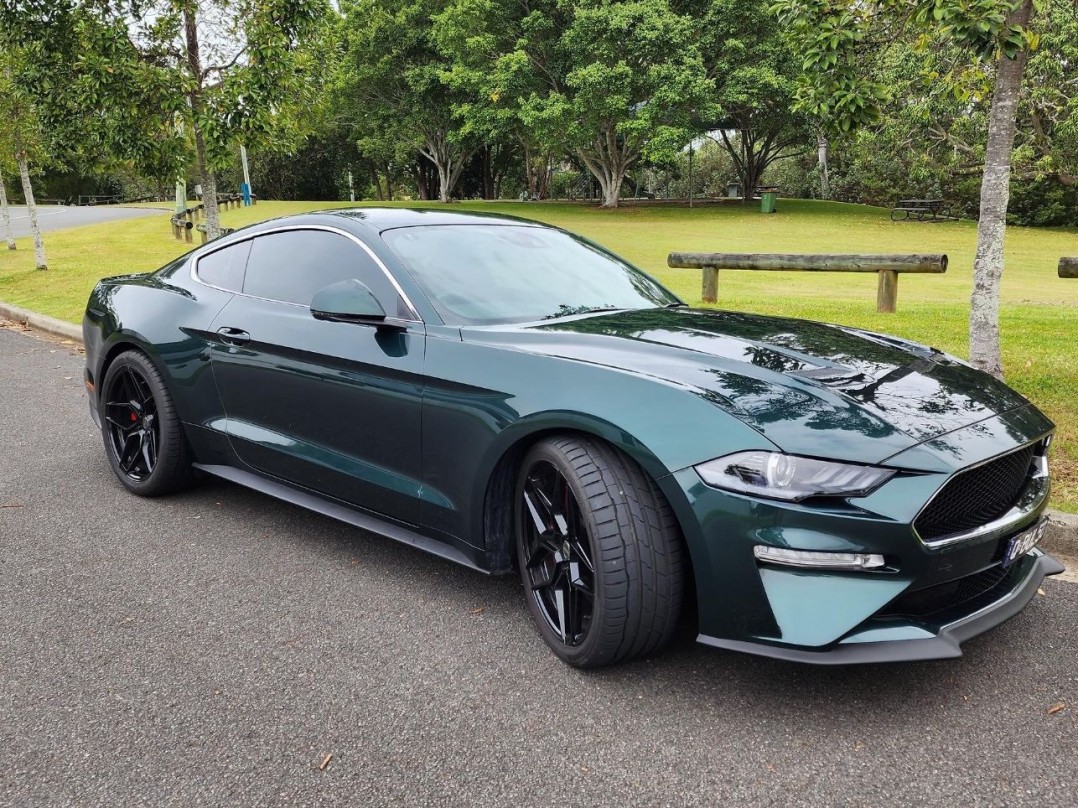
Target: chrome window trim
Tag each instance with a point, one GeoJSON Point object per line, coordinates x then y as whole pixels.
{"type": "Point", "coordinates": [290, 228]}
{"type": "Point", "coordinates": [1032, 497]}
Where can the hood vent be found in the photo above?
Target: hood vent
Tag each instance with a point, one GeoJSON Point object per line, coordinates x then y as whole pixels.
{"type": "Point", "coordinates": [829, 375]}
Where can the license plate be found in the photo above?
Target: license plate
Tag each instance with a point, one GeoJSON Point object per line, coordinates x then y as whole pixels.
{"type": "Point", "coordinates": [1024, 542]}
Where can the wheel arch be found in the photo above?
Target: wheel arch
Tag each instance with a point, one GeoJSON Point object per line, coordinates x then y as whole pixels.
{"type": "Point", "coordinates": [495, 508]}
{"type": "Point", "coordinates": [118, 345]}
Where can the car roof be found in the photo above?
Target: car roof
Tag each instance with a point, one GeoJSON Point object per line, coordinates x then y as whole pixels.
{"type": "Point", "coordinates": [381, 218]}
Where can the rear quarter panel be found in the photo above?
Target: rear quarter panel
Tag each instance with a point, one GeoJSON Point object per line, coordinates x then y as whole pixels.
{"type": "Point", "coordinates": [167, 321]}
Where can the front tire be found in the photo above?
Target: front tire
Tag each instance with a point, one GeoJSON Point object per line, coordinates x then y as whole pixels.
{"type": "Point", "coordinates": [143, 437]}
{"type": "Point", "coordinates": [599, 552]}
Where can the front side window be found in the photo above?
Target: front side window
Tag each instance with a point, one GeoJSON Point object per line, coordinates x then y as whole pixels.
{"type": "Point", "coordinates": [291, 266]}
{"type": "Point", "coordinates": [487, 274]}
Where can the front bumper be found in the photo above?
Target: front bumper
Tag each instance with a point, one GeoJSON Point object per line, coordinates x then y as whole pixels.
{"type": "Point", "coordinates": [868, 644]}
{"type": "Point", "coordinates": [927, 600]}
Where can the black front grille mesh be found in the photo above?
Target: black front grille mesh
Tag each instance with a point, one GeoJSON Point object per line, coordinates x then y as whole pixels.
{"type": "Point", "coordinates": [975, 497]}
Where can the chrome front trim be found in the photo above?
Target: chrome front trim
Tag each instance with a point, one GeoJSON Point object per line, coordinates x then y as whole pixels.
{"type": "Point", "coordinates": [1033, 497]}
{"type": "Point", "coordinates": [228, 241]}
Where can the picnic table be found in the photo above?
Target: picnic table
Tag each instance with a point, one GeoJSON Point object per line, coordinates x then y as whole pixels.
{"type": "Point", "coordinates": [921, 210]}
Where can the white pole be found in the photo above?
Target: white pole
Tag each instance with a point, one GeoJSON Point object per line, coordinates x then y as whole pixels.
{"type": "Point", "coordinates": [246, 177]}
{"type": "Point", "coordinates": [351, 188]}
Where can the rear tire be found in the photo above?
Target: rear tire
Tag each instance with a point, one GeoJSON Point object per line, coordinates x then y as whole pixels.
{"type": "Point", "coordinates": [144, 440]}
{"type": "Point", "coordinates": [599, 552]}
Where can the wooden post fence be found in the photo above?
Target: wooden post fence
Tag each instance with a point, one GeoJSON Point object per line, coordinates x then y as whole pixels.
{"type": "Point", "coordinates": [887, 268]}
{"type": "Point", "coordinates": [1068, 267]}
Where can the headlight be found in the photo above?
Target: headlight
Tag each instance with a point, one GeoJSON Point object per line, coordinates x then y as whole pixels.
{"type": "Point", "coordinates": [782, 476]}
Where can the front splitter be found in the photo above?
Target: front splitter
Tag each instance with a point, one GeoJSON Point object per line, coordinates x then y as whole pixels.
{"type": "Point", "coordinates": [946, 644]}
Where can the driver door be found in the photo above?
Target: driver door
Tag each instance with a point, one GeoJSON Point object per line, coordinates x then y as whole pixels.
{"type": "Point", "coordinates": [332, 407]}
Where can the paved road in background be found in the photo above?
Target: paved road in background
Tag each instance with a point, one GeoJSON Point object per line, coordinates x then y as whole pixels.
{"type": "Point", "coordinates": [59, 217]}
{"type": "Point", "coordinates": [213, 648]}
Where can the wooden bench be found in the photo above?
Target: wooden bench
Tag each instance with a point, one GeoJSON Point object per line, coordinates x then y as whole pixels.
{"type": "Point", "coordinates": [932, 210]}
{"type": "Point", "coordinates": [887, 267]}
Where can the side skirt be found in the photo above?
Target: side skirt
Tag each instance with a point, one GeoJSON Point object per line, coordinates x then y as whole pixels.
{"type": "Point", "coordinates": [343, 513]}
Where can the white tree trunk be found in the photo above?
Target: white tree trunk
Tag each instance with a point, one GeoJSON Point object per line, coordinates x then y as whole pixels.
{"type": "Point", "coordinates": [444, 186]}
{"type": "Point", "coordinates": [984, 350]}
{"type": "Point", "coordinates": [209, 189]}
{"type": "Point", "coordinates": [448, 158]}
{"type": "Point", "coordinates": [31, 209]}
{"type": "Point", "coordinates": [825, 176]}
{"type": "Point", "coordinates": [8, 235]}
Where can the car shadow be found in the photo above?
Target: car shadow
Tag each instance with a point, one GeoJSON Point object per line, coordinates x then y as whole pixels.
{"type": "Point", "coordinates": [684, 668]}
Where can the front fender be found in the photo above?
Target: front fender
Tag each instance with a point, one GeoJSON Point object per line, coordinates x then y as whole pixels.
{"type": "Point", "coordinates": [486, 402]}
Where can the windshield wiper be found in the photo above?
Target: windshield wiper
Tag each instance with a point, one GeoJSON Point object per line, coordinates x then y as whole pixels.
{"type": "Point", "coordinates": [676, 306]}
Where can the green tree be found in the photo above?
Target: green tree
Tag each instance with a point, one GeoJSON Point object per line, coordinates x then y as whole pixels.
{"type": "Point", "coordinates": [611, 82]}
{"type": "Point", "coordinates": [20, 137]}
{"type": "Point", "coordinates": [127, 71]}
{"type": "Point", "coordinates": [391, 84]}
{"type": "Point", "coordinates": [834, 36]}
{"type": "Point", "coordinates": [480, 39]}
{"type": "Point", "coordinates": [756, 81]}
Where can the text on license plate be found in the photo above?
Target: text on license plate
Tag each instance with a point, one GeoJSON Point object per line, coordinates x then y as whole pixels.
{"type": "Point", "coordinates": [1024, 542]}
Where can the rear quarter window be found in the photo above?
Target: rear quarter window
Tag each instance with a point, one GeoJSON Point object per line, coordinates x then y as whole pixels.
{"type": "Point", "coordinates": [224, 268]}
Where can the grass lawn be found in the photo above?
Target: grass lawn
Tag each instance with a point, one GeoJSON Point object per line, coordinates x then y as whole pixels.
{"type": "Point", "coordinates": [1039, 314]}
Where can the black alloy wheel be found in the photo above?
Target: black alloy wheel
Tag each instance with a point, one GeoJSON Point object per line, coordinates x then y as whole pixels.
{"type": "Point", "coordinates": [133, 426]}
{"type": "Point", "coordinates": [144, 440]}
{"type": "Point", "coordinates": [599, 552]}
{"type": "Point", "coordinates": [558, 555]}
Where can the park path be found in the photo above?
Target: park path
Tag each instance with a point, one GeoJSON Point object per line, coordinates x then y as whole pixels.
{"type": "Point", "coordinates": [61, 217]}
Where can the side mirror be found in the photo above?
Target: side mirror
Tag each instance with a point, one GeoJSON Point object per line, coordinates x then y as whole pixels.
{"type": "Point", "coordinates": [347, 302]}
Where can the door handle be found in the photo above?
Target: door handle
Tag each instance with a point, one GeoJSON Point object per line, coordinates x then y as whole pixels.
{"type": "Point", "coordinates": [234, 336]}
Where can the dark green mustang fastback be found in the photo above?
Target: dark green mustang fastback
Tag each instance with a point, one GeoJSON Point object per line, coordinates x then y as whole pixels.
{"type": "Point", "coordinates": [512, 397]}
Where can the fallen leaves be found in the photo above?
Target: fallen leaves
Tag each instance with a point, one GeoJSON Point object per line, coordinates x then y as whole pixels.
{"type": "Point", "coordinates": [478, 610]}
{"type": "Point", "coordinates": [1059, 706]}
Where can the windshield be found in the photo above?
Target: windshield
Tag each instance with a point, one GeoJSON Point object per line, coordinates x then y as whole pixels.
{"type": "Point", "coordinates": [487, 274]}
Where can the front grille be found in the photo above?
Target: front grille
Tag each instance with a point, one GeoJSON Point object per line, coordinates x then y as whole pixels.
{"type": "Point", "coordinates": [945, 602]}
{"type": "Point", "coordinates": [975, 497]}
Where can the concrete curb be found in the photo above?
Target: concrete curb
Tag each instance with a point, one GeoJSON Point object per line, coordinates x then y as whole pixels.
{"type": "Point", "coordinates": [50, 325]}
{"type": "Point", "coordinates": [1061, 537]}
{"type": "Point", "coordinates": [47, 324]}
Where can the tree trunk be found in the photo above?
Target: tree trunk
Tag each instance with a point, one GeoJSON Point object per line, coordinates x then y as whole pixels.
{"type": "Point", "coordinates": [372, 174]}
{"type": "Point", "coordinates": [31, 207]}
{"type": "Point", "coordinates": [488, 172]}
{"type": "Point", "coordinates": [448, 159]}
{"type": "Point", "coordinates": [421, 184]}
{"type": "Point", "coordinates": [984, 351]}
{"type": "Point", "coordinates": [529, 170]}
{"type": "Point", "coordinates": [611, 191]}
{"type": "Point", "coordinates": [206, 174]}
{"type": "Point", "coordinates": [544, 179]}
{"type": "Point", "coordinates": [609, 160]}
{"type": "Point", "coordinates": [825, 176]}
{"type": "Point", "coordinates": [8, 235]}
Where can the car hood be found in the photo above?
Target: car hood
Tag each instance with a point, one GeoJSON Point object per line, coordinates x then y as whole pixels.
{"type": "Point", "coordinates": [810, 388]}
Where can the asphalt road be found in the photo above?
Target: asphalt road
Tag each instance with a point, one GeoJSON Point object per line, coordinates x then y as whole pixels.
{"type": "Point", "coordinates": [59, 217]}
{"type": "Point", "coordinates": [213, 648]}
